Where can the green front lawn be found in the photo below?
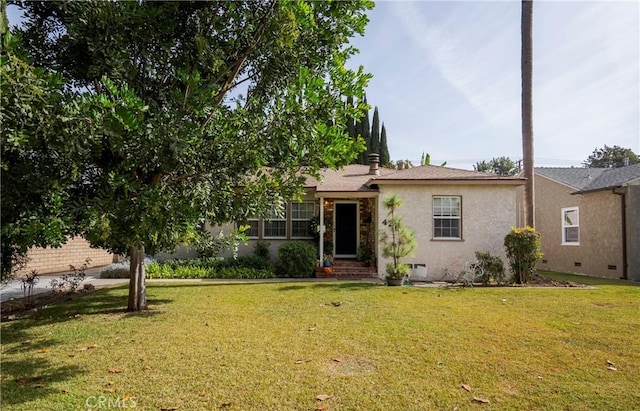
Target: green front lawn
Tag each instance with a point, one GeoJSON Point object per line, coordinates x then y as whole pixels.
{"type": "Point", "coordinates": [278, 346]}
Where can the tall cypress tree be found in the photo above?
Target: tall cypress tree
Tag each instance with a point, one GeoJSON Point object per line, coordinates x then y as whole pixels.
{"type": "Point", "coordinates": [374, 147]}
{"type": "Point", "coordinates": [384, 149]}
{"type": "Point", "coordinates": [365, 132]}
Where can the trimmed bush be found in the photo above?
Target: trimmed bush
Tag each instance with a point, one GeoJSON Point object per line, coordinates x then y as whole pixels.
{"type": "Point", "coordinates": [261, 249]}
{"type": "Point", "coordinates": [492, 266]}
{"type": "Point", "coordinates": [115, 273]}
{"type": "Point", "coordinates": [523, 252]}
{"type": "Point", "coordinates": [207, 268]}
{"type": "Point", "coordinates": [296, 259]}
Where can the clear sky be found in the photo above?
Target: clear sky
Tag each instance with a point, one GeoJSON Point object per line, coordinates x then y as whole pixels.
{"type": "Point", "coordinates": [447, 78]}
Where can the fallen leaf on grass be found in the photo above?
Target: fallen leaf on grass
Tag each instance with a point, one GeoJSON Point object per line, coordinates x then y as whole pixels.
{"type": "Point", "coordinates": [88, 347]}
{"type": "Point", "coordinates": [114, 370]}
{"type": "Point", "coordinates": [321, 407]}
{"type": "Point", "coordinates": [202, 394]}
{"type": "Point", "coordinates": [26, 380]}
{"type": "Point", "coordinates": [323, 397]}
{"type": "Point", "coordinates": [481, 400]}
{"type": "Point", "coordinates": [44, 350]}
{"type": "Point", "coordinates": [466, 387]}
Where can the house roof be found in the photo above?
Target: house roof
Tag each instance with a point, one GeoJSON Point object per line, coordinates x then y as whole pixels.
{"type": "Point", "coordinates": [353, 177]}
{"type": "Point", "coordinates": [591, 179]}
{"type": "Point", "coordinates": [356, 178]}
{"type": "Point", "coordinates": [433, 174]}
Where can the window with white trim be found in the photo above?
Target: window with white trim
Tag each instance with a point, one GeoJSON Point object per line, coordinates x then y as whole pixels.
{"type": "Point", "coordinates": [570, 226]}
{"type": "Point", "coordinates": [447, 217]}
{"type": "Point", "coordinates": [253, 231]}
{"type": "Point", "coordinates": [275, 224]}
{"type": "Point", "coordinates": [301, 215]}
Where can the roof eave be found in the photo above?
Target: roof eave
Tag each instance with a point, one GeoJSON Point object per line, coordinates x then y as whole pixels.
{"type": "Point", "coordinates": [457, 181]}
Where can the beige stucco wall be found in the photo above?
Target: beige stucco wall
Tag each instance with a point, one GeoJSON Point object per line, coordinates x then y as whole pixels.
{"type": "Point", "coordinates": [600, 248]}
{"type": "Point", "coordinates": [633, 231]}
{"type": "Point", "coordinates": [488, 213]}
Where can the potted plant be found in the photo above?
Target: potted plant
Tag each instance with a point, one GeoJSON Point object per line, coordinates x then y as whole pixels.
{"type": "Point", "coordinates": [326, 264]}
{"type": "Point", "coordinates": [397, 241]}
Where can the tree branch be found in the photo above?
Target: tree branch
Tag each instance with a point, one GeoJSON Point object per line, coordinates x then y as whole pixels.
{"type": "Point", "coordinates": [235, 67]}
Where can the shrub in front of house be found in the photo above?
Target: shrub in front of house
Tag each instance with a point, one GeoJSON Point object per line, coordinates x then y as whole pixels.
{"type": "Point", "coordinates": [242, 268]}
{"type": "Point", "coordinates": [492, 267]}
{"type": "Point", "coordinates": [296, 259]}
{"type": "Point", "coordinates": [523, 252]}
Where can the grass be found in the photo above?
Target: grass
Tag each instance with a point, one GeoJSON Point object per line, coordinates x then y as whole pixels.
{"type": "Point", "coordinates": [277, 346]}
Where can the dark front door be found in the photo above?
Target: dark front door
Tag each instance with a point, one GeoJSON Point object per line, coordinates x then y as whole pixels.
{"type": "Point", "coordinates": [346, 229]}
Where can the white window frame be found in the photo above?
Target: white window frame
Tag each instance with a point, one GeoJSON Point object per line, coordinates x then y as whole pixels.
{"type": "Point", "coordinates": [257, 222]}
{"type": "Point", "coordinates": [294, 219]}
{"type": "Point", "coordinates": [444, 217]}
{"type": "Point", "coordinates": [272, 218]}
{"type": "Point", "coordinates": [571, 224]}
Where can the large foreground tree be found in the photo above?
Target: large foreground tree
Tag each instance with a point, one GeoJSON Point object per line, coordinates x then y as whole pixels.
{"type": "Point", "coordinates": [195, 110]}
{"type": "Point", "coordinates": [36, 162]}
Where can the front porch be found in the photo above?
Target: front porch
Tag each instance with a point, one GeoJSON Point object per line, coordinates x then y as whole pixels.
{"type": "Point", "coordinates": [348, 269]}
{"type": "Point", "coordinates": [348, 236]}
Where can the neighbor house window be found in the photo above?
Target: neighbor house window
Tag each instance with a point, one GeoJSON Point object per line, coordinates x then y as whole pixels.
{"type": "Point", "coordinates": [447, 217]}
{"type": "Point", "coordinates": [301, 215]}
{"type": "Point", "coordinates": [275, 224]}
{"type": "Point", "coordinates": [570, 226]}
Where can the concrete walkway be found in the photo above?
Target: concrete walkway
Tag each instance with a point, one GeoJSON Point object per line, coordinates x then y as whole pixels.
{"type": "Point", "coordinates": [13, 289]}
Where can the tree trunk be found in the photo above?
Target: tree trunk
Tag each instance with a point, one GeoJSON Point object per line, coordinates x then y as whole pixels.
{"type": "Point", "coordinates": [137, 290]}
{"type": "Point", "coordinates": [526, 64]}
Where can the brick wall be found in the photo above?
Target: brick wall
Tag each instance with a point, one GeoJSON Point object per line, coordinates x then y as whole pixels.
{"type": "Point", "coordinates": [74, 252]}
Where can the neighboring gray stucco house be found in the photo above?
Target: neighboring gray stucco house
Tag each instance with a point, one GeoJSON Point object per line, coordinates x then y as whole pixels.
{"type": "Point", "coordinates": [589, 219]}
{"type": "Point", "coordinates": [453, 212]}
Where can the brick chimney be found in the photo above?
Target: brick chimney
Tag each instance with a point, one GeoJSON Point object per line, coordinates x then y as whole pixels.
{"type": "Point", "coordinates": [374, 161]}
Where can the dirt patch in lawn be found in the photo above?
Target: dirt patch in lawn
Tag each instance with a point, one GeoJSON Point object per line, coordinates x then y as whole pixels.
{"type": "Point", "coordinates": [18, 308]}
{"type": "Point", "coordinates": [349, 367]}
{"type": "Point", "coordinates": [540, 281]}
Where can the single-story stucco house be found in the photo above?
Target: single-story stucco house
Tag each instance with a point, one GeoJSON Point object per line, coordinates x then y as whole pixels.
{"type": "Point", "coordinates": [453, 213]}
{"type": "Point", "coordinates": [589, 220]}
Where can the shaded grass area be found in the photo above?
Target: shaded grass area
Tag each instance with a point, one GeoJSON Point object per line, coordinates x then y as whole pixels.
{"type": "Point", "coordinates": [278, 346]}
